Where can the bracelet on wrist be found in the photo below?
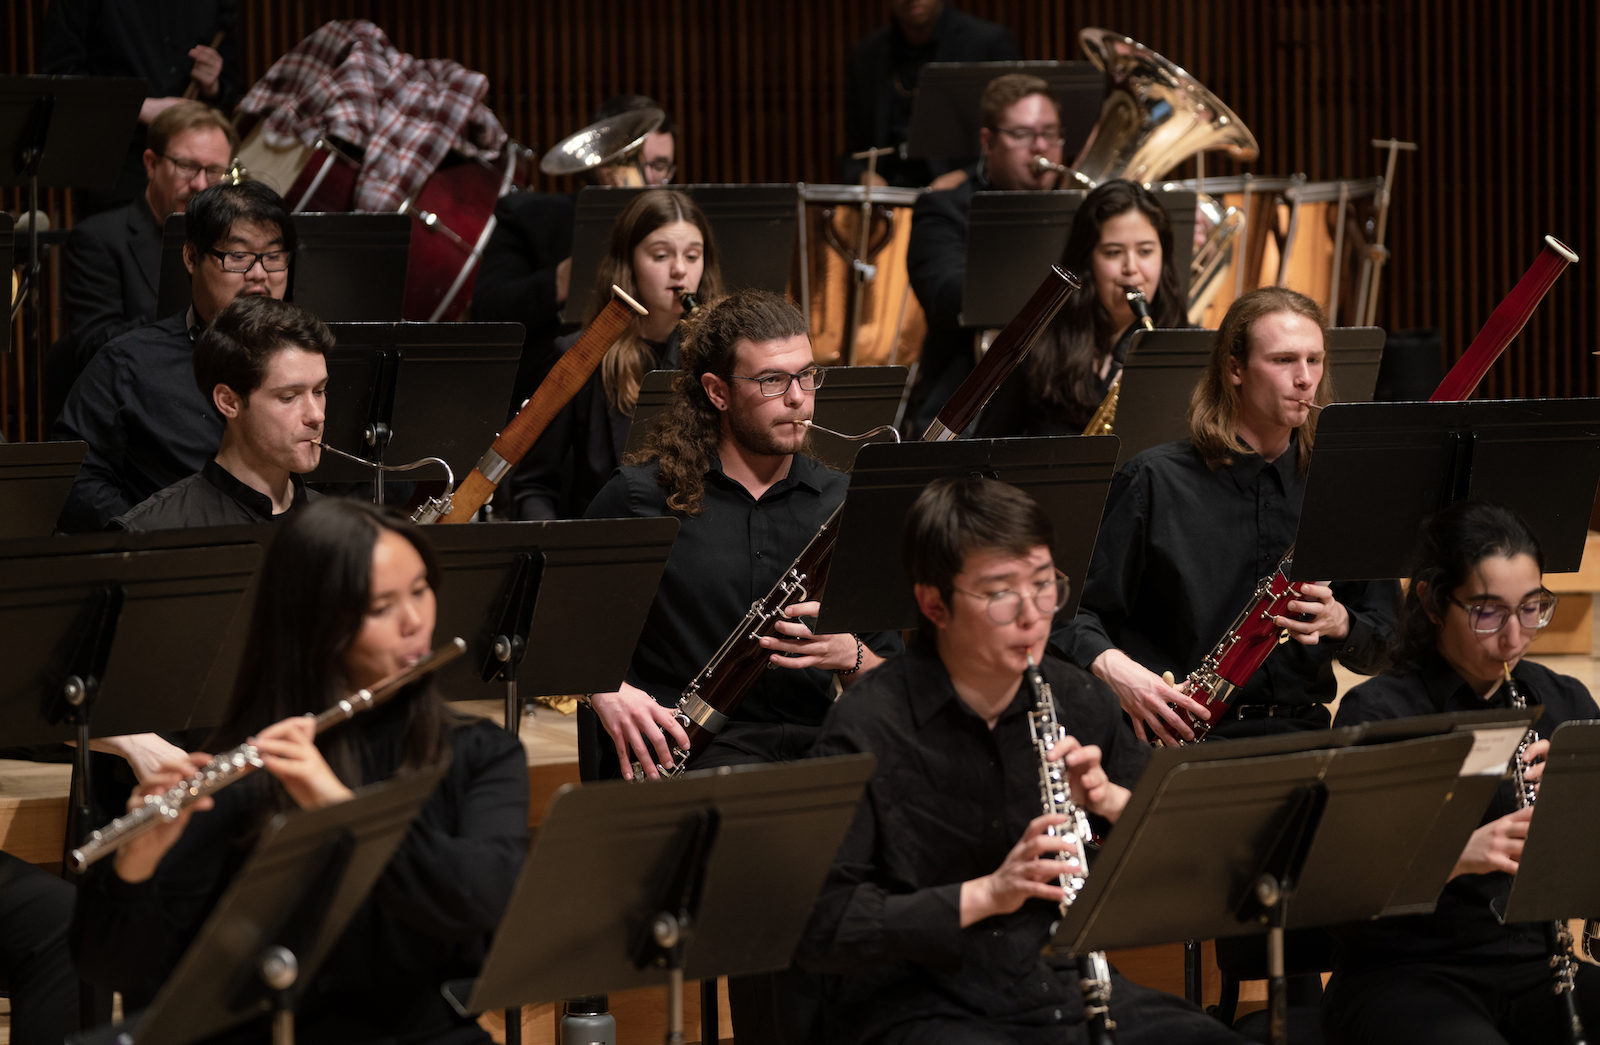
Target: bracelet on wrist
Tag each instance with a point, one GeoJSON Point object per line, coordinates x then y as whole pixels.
{"type": "Point", "coordinates": [860, 649]}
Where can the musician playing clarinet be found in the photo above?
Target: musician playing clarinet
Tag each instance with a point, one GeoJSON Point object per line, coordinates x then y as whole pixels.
{"type": "Point", "coordinates": [944, 890]}
{"type": "Point", "coordinates": [346, 599]}
{"type": "Point", "coordinates": [1191, 526]}
{"type": "Point", "coordinates": [1457, 976]}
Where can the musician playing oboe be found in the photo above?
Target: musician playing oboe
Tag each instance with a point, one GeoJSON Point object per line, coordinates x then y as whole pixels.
{"type": "Point", "coordinates": [346, 599]}
{"type": "Point", "coordinates": [944, 890]}
{"type": "Point", "coordinates": [1121, 241]}
{"type": "Point", "coordinates": [661, 246]}
{"type": "Point", "coordinates": [1457, 976]}
{"type": "Point", "coordinates": [1190, 526]}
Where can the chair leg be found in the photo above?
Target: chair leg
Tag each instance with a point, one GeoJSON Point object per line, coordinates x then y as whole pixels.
{"type": "Point", "coordinates": [1227, 1006]}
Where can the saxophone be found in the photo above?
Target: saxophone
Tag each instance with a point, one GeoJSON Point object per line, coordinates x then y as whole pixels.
{"type": "Point", "coordinates": [1563, 966]}
{"type": "Point", "coordinates": [1094, 971]}
{"type": "Point", "coordinates": [1106, 413]}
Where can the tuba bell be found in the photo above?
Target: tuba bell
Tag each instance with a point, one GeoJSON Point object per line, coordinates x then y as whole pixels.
{"type": "Point", "coordinates": [1155, 115]}
{"type": "Point", "coordinates": [613, 142]}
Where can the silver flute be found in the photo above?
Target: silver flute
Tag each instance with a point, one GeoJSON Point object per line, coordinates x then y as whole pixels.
{"type": "Point", "coordinates": [1094, 971]}
{"type": "Point", "coordinates": [240, 762]}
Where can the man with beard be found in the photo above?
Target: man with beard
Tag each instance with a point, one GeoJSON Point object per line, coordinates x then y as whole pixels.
{"type": "Point", "coordinates": [137, 404]}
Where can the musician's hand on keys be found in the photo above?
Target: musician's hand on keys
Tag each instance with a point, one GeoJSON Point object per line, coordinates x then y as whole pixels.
{"type": "Point", "coordinates": [833, 652]}
{"type": "Point", "coordinates": [207, 68]}
{"type": "Point", "coordinates": [1327, 616]}
{"type": "Point", "coordinates": [1533, 762]}
{"type": "Point", "coordinates": [1496, 846]}
{"type": "Point", "coordinates": [288, 751]}
{"type": "Point", "coordinates": [1023, 876]}
{"type": "Point", "coordinates": [136, 859]}
{"type": "Point", "coordinates": [635, 722]}
{"type": "Point", "coordinates": [1145, 696]}
{"type": "Point", "coordinates": [1092, 790]}
{"type": "Point", "coordinates": [146, 753]}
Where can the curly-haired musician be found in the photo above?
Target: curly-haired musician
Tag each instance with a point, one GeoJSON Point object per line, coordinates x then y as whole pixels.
{"type": "Point", "coordinates": [1190, 526]}
{"type": "Point", "coordinates": [1457, 976]}
{"type": "Point", "coordinates": [346, 599]}
{"type": "Point", "coordinates": [944, 890]}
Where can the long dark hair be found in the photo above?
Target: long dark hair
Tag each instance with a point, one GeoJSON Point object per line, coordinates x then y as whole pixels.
{"type": "Point", "coordinates": [1454, 541]}
{"type": "Point", "coordinates": [1061, 368]}
{"type": "Point", "coordinates": [315, 584]}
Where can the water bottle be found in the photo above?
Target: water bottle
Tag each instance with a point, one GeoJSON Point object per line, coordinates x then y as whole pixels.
{"type": "Point", "coordinates": [588, 1021]}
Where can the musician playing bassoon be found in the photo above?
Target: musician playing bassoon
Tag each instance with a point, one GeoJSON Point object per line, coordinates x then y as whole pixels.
{"type": "Point", "coordinates": [1190, 526]}
{"type": "Point", "coordinates": [944, 890]}
{"type": "Point", "coordinates": [660, 246]}
{"type": "Point", "coordinates": [1121, 241]}
{"type": "Point", "coordinates": [1457, 976]}
{"type": "Point", "coordinates": [346, 599]}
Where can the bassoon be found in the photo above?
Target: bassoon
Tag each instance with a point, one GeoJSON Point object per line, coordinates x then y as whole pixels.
{"type": "Point", "coordinates": [716, 692]}
{"type": "Point", "coordinates": [1231, 662]}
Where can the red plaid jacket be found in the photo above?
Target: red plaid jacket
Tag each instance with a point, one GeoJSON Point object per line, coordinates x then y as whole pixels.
{"type": "Point", "coordinates": [347, 80]}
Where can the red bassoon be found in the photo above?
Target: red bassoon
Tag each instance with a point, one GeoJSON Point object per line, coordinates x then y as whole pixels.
{"type": "Point", "coordinates": [1253, 636]}
{"type": "Point", "coordinates": [712, 696]}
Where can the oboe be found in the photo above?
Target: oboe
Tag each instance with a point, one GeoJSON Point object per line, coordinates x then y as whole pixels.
{"type": "Point", "coordinates": [1094, 971]}
{"type": "Point", "coordinates": [1563, 966]}
{"type": "Point", "coordinates": [240, 762]}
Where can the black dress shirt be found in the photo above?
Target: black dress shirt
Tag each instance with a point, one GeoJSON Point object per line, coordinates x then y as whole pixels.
{"type": "Point", "coordinates": [1462, 928]}
{"type": "Point", "coordinates": [210, 497]}
{"type": "Point", "coordinates": [936, 259]}
{"type": "Point", "coordinates": [576, 455]}
{"type": "Point", "coordinates": [725, 558]}
{"type": "Point", "coordinates": [113, 270]}
{"type": "Point", "coordinates": [146, 423]}
{"type": "Point", "coordinates": [428, 919]}
{"type": "Point", "coordinates": [1013, 410]}
{"type": "Point", "coordinates": [517, 277]}
{"type": "Point", "coordinates": [1180, 550]}
{"type": "Point", "coordinates": [948, 800]}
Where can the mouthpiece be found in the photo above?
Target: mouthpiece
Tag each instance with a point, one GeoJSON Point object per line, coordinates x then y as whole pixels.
{"type": "Point", "coordinates": [1140, 306]}
{"type": "Point", "coordinates": [1309, 403]}
{"type": "Point", "coordinates": [1042, 165]}
{"type": "Point", "coordinates": [689, 300]}
{"type": "Point", "coordinates": [890, 429]}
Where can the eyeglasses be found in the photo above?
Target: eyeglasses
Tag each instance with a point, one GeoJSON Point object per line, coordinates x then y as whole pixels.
{"type": "Point", "coordinates": [244, 260]}
{"type": "Point", "coordinates": [1486, 618]}
{"type": "Point", "coordinates": [1049, 137]}
{"type": "Point", "coordinates": [189, 168]}
{"type": "Point", "coordinates": [773, 385]}
{"type": "Point", "coordinates": [1004, 606]}
{"type": "Point", "coordinates": [665, 168]}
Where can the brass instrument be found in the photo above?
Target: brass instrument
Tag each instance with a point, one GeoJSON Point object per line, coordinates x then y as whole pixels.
{"type": "Point", "coordinates": [234, 765]}
{"type": "Point", "coordinates": [1094, 972]}
{"type": "Point", "coordinates": [613, 142]}
{"type": "Point", "coordinates": [1105, 415]}
{"type": "Point", "coordinates": [1042, 165]}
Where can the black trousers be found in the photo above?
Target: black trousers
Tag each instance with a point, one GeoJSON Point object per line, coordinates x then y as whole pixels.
{"type": "Point", "coordinates": [35, 966]}
{"type": "Point", "coordinates": [1454, 1004]}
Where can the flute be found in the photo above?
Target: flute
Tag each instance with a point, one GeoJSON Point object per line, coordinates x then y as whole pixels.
{"type": "Point", "coordinates": [234, 765]}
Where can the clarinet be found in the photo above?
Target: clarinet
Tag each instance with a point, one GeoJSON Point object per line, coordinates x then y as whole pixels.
{"type": "Point", "coordinates": [1094, 971]}
{"type": "Point", "coordinates": [238, 763]}
{"type": "Point", "coordinates": [1563, 966]}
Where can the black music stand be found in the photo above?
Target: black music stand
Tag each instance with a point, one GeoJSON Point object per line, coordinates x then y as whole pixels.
{"type": "Point", "coordinates": [1014, 237]}
{"type": "Point", "coordinates": [349, 268]}
{"type": "Point", "coordinates": [35, 479]}
{"type": "Point", "coordinates": [1256, 835]}
{"type": "Point", "coordinates": [1384, 467]}
{"type": "Point", "coordinates": [280, 918]}
{"type": "Point", "coordinates": [532, 591]}
{"type": "Point", "coordinates": [667, 884]}
{"type": "Point", "coordinates": [1163, 366]}
{"type": "Point", "coordinates": [867, 587]}
{"type": "Point", "coordinates": [61, 132]}
{"type": "Point", "coordinates": [755, 226]}
{"type": "Point", "coordinates": [1555, 878]}
{"type": "Point", "coordinates": [852, 400]}
{"type": "Point", "coordinates": [945, 117]}
{"type": "Point", "coordinates": [398, 392]}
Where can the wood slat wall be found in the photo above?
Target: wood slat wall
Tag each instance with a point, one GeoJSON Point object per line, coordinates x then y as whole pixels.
{"type": "Point", "coordinates": [1500, 97]}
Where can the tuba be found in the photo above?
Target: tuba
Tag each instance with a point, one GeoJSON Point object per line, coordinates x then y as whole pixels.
{"type": "Point", "coordinates": [613, 142]}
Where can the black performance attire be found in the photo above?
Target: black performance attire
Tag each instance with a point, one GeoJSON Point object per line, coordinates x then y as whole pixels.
{"type": "Point", "coordinates": [146, 423]}
{"type": "Point", "coordinates": [1011, 410]}
{"type": "Point", "coordinates": [517, 277]}
{"type": "Point", "coordinates": [936, 259]}
{"type": "Point", "coordinates": [1456, 976]}
{"type": "Point", "coordinates": [113, 272]}
{"type": "Point", "coordinates": [725, 558]}
{"type": "Point", "coordinates": [575, 457]}
{"type": "Point", "coordinates": [1180, 550]}
{"type": "Point", "coordinates": [35, 964]}
{"type": "Point", "coordinates": [146, 39]}
{"type": "Point", "coordinates": [948, 800]}
{"type": "Point", "coordinates": [883, 80]}
{"type": "Point", "coordinates": [210, 497]}
{"type": "Point", "coordinates": [428, 919]}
